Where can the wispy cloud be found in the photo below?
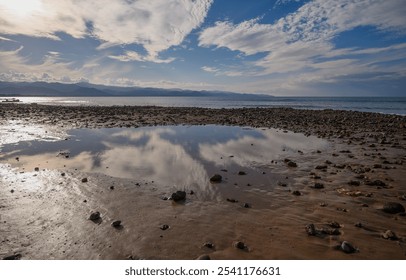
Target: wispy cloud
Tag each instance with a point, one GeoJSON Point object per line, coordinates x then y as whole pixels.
{"type": "Point", "coordinates": [155, 25]}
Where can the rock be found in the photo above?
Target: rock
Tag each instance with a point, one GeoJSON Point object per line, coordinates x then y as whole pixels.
{"type": "Point", "coordinates": [359, 225]}
{"type": "Point", "coordinates": [328, 162]}
{"type": "Point", "coordinates": [36, 169]}
{"type": "Point", "coordinates": [246, 205]}
{"type": "Point", "coordinates": [232, 200]}
{"type": "Point", "coordinates": [310, 229]}
{"type": "Point", "coordinates": [84, 180]}
{"type": "Point", "coordinates": [297, 193]}
{"type": "Point", "coordinates": [318, 186]}
{"type": "Point", "coordinates": [347, 247]}
{"type": "Point", "coordinates": [282, 184]}
{"type": "Point", "coordinates": [12, 191]}
{"type": "Point", "coordinates": [63, 174]}
{"type": "Point", "coordinates": [334, 224]}
{"type": "Point", "coordinates": [111, 187]}
{"type": "Point", "coordinates": [330, 231]}
{"type": "Point", "coordinates": [375, 183]}
{"type": "Point", "coordinates": [216, 178]}
{"type": "Point", "coordinates": [13, 257]}
{"type": "Point", "coordinates": [204, 257]}
{"type": "Point", "coordinates": [393, 208]}
{"type": "Point", "coordinates": [94, 216]}
{"type": "Point", "coordinates": [178, 196]}
{"type": "Point", "coordinates": [389, 235]}
{"type": "Point", "coordinates": [321, 167]}
{"type": "Point", "coordinates": [292, 164]}
{"type": "Point", "coordinates": [208, 245]}
{"type": "Point", "coordinates": [240, 245]}
{"type": "Point", "coordinates": [116, 224]}
{"type": "Point", "coordinates": [242, 173]}
{"type": "Point", "coordinates": [354, 183]}
{"type": "Point", "coordinates": [164, 227]}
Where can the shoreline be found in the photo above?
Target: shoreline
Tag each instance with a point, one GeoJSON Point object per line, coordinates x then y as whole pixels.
{"type": "Point", "coordinates": [362, 170]}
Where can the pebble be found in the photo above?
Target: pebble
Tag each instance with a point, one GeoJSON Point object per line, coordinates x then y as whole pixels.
{"type": "Point", "coordinates": [204, 257]}
{"type": "Point", "coordinates": [347, 247]}
{"type": "Point", "coordinates": [354, 183]}
{"type": "Point", "coordinates": [116, 224]}
{"type": "Point", "coordinates": [334, 224]}
{"type": "Point", "coordinates": [389, 235]}
{"type": "Point", "coordinates": [240, 245]}
{"type": "Point", "coordinates": [84, 180]}
{"type": "Point", "coordinates": [242, 173]}
{"type": "Point", "coordinates": [63, 174]}
{"type": "Point", "coordinates": [246, 205]}
{"type": "Point", "coordinates": [178, 196]}
{"type": "Point", "coordinates": [208, 245]}
{"type": "Point", "coordinates": [216, 178]}
{"type": "Point", "coordinates": [393, 208]}
{"type": "Point", "coordinates": [36, 169]}
{"type": "Point", "coordinates": [292, 164]}
{"type": "Point", "coordinates": [310, 229]}
{"type": "Point", "coordinates": [296, 193]}
{"type": "Point", "coordinates": [321, 167]}
{"type": "Point", "coordinates": [94, 216]}
{"type": "Point", "coordinates": [318, 186]}
{"type": "Point", "coordinates": [111, 187]}
{"type": "Point", "coordinates": [232, 200]}
{"type": "Point", "coordinates": [164, 227]}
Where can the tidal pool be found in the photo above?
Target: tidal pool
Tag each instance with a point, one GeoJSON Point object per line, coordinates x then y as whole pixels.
{"type": "Point", "coordinates": [178, 157]}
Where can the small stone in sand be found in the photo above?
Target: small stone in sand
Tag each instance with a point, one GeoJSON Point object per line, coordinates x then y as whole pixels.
{"type": "Point", "coordinates": [242, 173]}
{"type": "Point", "coordinates": [164, 227]}
{"type": "Point", "coordinates": [63, 174]}
{"type": "Point", "coordinates": [354, 183]}
{"type": "Point", "coordinates": [321, 167]}
{"type": "Point", "coordinates": [318, 186]}
{"type": "Point", "coordinates": [296, 193]}
{"type": "Point", "coordinates": [12, 191]}
{"type": "Point", "coordinates": [232, 200]}
{"type": "Point", "coordinates": [208, 245]}
{"type": "Point", "coordinates": [94, 216]}
{"type": "Point", "coordinates": [111, 187]}
{"type": "Point", "coordinates": [216, 178]}
{"type": "Point", "coordinates": [246, 205]}
{"type": "Point", "coordinates": [292, 164]}
{"type": "Point", "coordinates": [310, 229]}
{"type": "Point", "coordinates": [178, 196]}
{"type": "Point", "coordinates": [116, 224]}
{"type": "Point", "coordinates": [378, 183]}
{"type": "Point", "coordinates": [334, 224]}
{"type": "Point", "coordinates": [347, 247]}
{"type": "Point", "coordinates": [84, 180]}
{"type": "Point", "coordinates": [204, 257]}
{"type": "Point", "coordinates": [36, 169]}
{"type": "Point", "coordinates": [393, 208]}
{"type": "Point", "coordinates": [389, 235]}
{"type": "Point", "coordinates": [240, 245]}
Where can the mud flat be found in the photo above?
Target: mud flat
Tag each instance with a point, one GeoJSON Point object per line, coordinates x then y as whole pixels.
{"type": "Point", "coordinates": [295, 184]}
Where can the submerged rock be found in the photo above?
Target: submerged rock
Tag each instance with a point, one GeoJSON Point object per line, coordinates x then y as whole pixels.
{"type": "Point", "coordinates": [94, 216]}
{"type": "Point", "coordinates": [178, 196]}
{"type": "Point", "coordinates": [216, 178]}
{"type": "Point", "coordinates": [393, 208]}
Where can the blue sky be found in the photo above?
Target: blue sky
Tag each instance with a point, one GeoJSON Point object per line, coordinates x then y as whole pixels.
{"type": "Point", "coordinates": [282, 47]}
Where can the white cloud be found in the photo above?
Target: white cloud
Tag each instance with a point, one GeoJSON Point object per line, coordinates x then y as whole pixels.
{"type": "Point", "coordinates": [156, 25]}
{"type": "Point", "coordinates": [210, 69]}
{"type": "Point", "coordinates": [134, 56]}
{"type": "Point", "coordinates": [300, 45]}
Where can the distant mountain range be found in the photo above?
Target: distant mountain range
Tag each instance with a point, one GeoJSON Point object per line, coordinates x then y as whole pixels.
{"type": "Point", "coordinates": [87, 89]}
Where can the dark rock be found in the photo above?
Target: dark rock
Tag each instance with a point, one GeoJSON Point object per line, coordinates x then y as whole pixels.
{"type": "Point", "coordinates": [116, 224]}
{"type": "Point", "coordinates": [389, 235]}
{"type": "Point", "coordinates": [354, 183]}
{"type": "Point", "coordinates": [334, 224]}
{"type": "Point", "coordinates": [164, 227]}
{"type": "Point", "coordinates": [378, 183]}
{"type": "Point", "coordinates": [328, 162]}
{"type": "Point", "coordinates": [318, 186]}
{"type": "Point", "coordinates": [232, 200]}
{"type": "Point", "coordinates": [321, 167]}
{"type": "Point", "coordinates": [94, 216]}
{"type": "Point", "coordinates": [216, 178]}
{"type": "Point", "coordinates": [204, 257]}
{"type": "Point", "coordinates": [282, 184]}
{"type": "Point", "coordinates": [178, 196]}
{"type": "Point", "coordinates": [242, 173]}
{"type": "Point", "coordinates": [36, 169]}
{"type": "Point", "coordinates": [310, 229]}
{"type": "Point", "coordinates": [393, 208]}
{"type": "Point", "coordinates": [292, 164]}
{"type": "Point", "coordinates": [246, 205]}
{"type": "Point", "coordinates": [13, 257]}
{"type": "Point", "coordinates": [347, 247]}
{"type": "Point", "coordinates": [330, 231]}
{"type": "Point", "coordinates": [359, 225]}
{"type": "Point", "coordinates": [12, 191]}
{"type": "Point", "coordinates": [111, 187]}
{"type": "Point", "coordinates": [84, 180]}
{"type": "Point", "coordinates": [296, 193]}
{"type": "Point", "coordinates": [208, 245]}
{"type": "Point", "coordinates": [63, 174]}
{"type": "Point", "coordinates": [240, 245]}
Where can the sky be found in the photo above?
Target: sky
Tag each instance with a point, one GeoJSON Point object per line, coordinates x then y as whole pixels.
{"type": "Point", "coordinates": [281, 47]}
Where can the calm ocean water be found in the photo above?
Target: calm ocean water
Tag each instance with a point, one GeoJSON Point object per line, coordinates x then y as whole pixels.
{"type": "Point", "coordinates": [385, 105]}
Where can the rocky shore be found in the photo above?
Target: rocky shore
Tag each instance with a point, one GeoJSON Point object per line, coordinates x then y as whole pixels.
{"type": "Point", "coordinates": [347, 202]}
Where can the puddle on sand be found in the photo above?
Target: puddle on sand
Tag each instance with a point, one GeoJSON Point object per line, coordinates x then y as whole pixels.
{"type": "Point", "coordinates": [174, 157]}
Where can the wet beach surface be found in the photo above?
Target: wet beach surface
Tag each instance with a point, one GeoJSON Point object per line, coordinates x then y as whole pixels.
{"type": "Point", "coordinates": [284, 195]}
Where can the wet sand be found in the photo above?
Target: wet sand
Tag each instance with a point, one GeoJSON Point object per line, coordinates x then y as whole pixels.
{"type": "Point", "coordinates": [363, 169]}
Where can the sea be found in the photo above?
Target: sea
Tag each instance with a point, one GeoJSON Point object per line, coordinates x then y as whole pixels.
{"type": "Point", "coordinates": [384, 105]}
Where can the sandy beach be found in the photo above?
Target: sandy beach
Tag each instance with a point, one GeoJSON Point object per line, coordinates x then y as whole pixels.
{"type": "Point", "coordinates": [353, 190]}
